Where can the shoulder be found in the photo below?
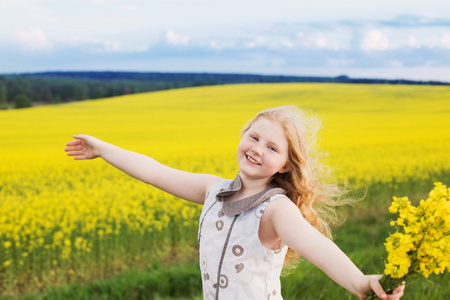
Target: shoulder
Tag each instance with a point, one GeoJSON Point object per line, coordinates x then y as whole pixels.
{"type": "Point", "coordinates": [213, 181]}
{"type": "Point", "coordinates": [281, 207]}
{"type": "Point", "coordinates": [218, 183]}
{"type": "Point", "coordinates": [215, 184]}
{"type": "Point", "coordinates": [285, 220]}
{"type": "Point", "coordinates": [280, 202]}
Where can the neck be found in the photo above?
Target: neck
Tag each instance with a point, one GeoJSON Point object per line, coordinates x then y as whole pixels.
{"type": "Point", "coordinates": [253, 186]}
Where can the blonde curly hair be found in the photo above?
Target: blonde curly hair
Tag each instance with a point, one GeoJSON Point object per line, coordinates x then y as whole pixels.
{"type": "Point", "coordinates": [307, 182]}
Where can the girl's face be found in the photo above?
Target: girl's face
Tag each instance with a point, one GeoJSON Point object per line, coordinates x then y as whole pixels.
{"type": "Point", "coordinates": [263, 150]}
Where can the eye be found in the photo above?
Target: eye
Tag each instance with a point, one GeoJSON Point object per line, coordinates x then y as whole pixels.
{"type": "Point", "coordinates": [273, 148]}
{"type": "Point", "coordinates": [254, 137]}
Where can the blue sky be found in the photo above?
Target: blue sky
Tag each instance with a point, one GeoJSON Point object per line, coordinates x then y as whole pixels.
{"type": "Point", "coordinates": [359, 38]}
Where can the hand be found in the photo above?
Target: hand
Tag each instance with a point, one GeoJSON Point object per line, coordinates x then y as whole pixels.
{"type": "Point", "coordinates": [83, 147]}
{"type": "Point", "coordinates": [375, 285]}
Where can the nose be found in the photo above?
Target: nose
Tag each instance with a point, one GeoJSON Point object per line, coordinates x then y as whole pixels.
{"type": "Point", "coordinates": [257, 149]}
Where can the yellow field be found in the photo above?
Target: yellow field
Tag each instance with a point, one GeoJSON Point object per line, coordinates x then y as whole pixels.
{"type": "Point", "coordinates": [62, 220]}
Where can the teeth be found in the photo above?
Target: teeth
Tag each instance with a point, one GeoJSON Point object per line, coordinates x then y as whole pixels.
{"type": "Point", "coordinates": [252, 160]}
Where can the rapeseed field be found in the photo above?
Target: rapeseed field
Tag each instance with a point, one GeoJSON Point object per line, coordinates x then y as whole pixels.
{"type": "Point", "coordinates": [67, 221]}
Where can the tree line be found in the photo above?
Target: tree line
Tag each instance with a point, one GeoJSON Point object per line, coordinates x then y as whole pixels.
{"type": "Point", "coordinates": [28, 89]}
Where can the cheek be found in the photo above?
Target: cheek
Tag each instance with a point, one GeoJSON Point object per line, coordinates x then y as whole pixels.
{"type": "Point", "coordinates": [243, 145]}
{"type": "Point", "coordinates": [275, 161]}
{"type": "Point", "coordinates": [283, 162]}
{"type": "Point", "coordinates": [240, 148]}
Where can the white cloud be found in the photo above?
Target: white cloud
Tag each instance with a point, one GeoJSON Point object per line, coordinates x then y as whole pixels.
{"type": "Point", "coordinates": [176, 39]}
{"type": "Point", "coordinates": [329, 39]}
{"type": "Point", "coordinates": [323, 42]}
{"type": "Point", "coordinates": [74, 41]}
{"type": "Point", "coordinates": [412, 42]}
{"type": "Point", "coordinates": [129, 7]}
{"type": "Point", "coordinates": [100, 46]}
{"type": "Point", "coordinates": [258, 41]}
{"type": "Point", "coordinates": [97, 28]}
{"type": "Point", "coordinates": [112, 46]}
{"type": "Point", "coordinates": [374, 40]}
{"type": "Point", "coordinates": [287, 44]}
{"type": "Point", "coordinates": [96, 1]}
{"type": "Point", "coordinates": [33, 39]}
{"type": "Point", "coordinates": [395, 63]}
{"type": "Point", "coordinates": [320, 42]}
{"type": "Point", "coordinates": [214, 45]}
{"type": "Point", "coordinates": [339, 63]}
{"type": "Point", "coordinates": [445, 40]}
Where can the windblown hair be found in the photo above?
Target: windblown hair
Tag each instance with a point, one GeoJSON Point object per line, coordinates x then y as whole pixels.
{"type": "Point", "coordinates": [307, 181]}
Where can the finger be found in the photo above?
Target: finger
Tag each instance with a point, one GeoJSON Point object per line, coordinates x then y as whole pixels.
{"type": "Point", "coordinates": [79, 136]}
{"type": "Point", "coordinates": [74, 143]}
{"type": "Point", "coordinates": [69, 149]}
{"type": "Point", "coordinates": [82, 157]}
{"type": "Point", "coordinates": [399, 290]}
{"type": "Point", "coordinates": [75, 153]}
{"type": "Point", "coordinates": [376, 286]}
{"type": "Point", "coordinates": [74, 148]}
{"type": "Point", "coordinates": [394, 296]}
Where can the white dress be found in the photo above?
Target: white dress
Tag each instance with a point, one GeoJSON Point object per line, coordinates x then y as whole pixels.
{"type": "Point", "coordinates": [233, 262]}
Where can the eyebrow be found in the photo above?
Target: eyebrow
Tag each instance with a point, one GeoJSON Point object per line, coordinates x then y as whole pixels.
{"type": "Point", "coordinates": [270, 142]}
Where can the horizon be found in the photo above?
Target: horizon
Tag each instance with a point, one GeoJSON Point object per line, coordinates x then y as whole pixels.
{"type": "Point", "coordinates": [219, 73]}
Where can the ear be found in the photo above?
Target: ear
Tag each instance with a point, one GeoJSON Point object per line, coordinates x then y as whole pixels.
{"type": "Point", "coordinates": [285, 169]}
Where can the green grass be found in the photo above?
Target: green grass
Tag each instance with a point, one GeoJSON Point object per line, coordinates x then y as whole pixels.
{"type": "Point", "coordinates": [156, 282]}
{"type": "Point", "coordinates": [361, 238]}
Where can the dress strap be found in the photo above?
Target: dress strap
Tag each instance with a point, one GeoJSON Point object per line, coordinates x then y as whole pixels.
{"type": "Point", "coordinates": [276, 196]}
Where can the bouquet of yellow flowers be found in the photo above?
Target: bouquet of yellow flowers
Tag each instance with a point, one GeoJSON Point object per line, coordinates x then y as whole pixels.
{"type": "Point", "coordinates": [421, 245]}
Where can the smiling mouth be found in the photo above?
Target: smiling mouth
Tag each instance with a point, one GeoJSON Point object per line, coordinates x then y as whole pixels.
{"type": "Point", "coordinates": [250, 159]}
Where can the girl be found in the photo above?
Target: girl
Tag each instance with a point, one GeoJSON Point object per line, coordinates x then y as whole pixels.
{"type": "Point", "coordinates": [248, 224]}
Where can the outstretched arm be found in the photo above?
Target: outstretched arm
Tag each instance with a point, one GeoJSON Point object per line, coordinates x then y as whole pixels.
{"type": "Point", "coordinates": [299, 235]}
{"type": "Point", "coordinates": [189, 186]}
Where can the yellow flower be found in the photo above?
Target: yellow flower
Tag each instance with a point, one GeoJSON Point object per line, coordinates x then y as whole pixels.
{"type": "Point", "coordinates": [399, 268]}
{"type": "Point", "coordinates": [425, 238]}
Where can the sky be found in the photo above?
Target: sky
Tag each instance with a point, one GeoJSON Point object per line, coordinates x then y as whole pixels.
{"type": "Point", "coordinates": [392, 39]}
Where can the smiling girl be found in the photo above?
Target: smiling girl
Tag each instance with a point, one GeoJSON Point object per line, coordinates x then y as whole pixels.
{"type": "Point", "coordinates": [251, 225]}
